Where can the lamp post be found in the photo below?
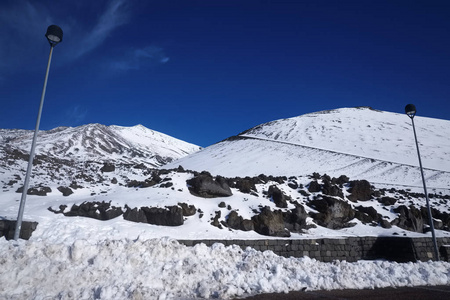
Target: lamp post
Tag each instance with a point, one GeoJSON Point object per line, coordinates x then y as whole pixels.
{"type": "Point", "coordinates": [54, 36]}
{"type": "Point", "coordinates": [410, 111]}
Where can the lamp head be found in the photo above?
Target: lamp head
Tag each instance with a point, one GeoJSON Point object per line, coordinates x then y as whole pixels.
{"type": "Point", "coordinates": [410, 110]}
{"type": "Point", "coordinates": [54, 35]}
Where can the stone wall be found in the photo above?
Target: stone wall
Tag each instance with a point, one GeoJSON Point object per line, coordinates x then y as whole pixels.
{"type": "Point", "coordinates": [400, 249]}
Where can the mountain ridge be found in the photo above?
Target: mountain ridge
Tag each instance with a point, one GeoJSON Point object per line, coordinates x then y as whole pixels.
{"type": "Point", "coordinates": [102, 143]}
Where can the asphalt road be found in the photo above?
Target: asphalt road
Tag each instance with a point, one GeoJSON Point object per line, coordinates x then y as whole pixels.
{"type": "Point", "coordinates": [404, 293]}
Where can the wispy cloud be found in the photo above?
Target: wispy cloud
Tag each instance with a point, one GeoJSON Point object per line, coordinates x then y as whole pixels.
{"type": "Point", "coordinates": [136, 59]}
{"type": "Point", "coordinates": [115, 15]}
{"type": "Point", "coordinates": [23, 24]}
{"type": "Point", "coordinates": [75, 114]}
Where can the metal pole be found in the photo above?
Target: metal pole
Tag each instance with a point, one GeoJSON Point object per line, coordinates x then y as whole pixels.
{"type": "Point", "coordinates": [30, 160]}
{"type": "Point", "coordinates": [436, 252]}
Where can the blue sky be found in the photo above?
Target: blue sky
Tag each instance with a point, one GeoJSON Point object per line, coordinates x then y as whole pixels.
{"type": "Point", "coordinates": [202, 71]}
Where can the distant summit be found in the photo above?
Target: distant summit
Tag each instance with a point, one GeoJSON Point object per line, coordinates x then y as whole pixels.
{"type": "Point", "coordinates": [96, 142]}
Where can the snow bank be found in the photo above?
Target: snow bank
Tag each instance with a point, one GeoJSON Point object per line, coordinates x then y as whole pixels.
{"type": "Point", "coordinates": [164, 269]}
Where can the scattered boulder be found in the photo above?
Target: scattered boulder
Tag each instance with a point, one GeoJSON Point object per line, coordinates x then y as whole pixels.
{"type": "Point", "coordinates": [61, 210]}
{"type": "Point", "coordinates": [215, 221]}
{"type": "Point", "coordinates": [235, 221]}
{"type": "Point", "coordinates": [96, 210]}
{"type": "Point", "coordinates": [332, 213]}
{"type": "Point", "coordinates": [204, 185]}
{"type": "Point", "coordinates": [331, 189]}
{"type": "Point", "coordinates": [409, 218]}
{"type": "Point", "coordinates": [8, 228]}
{"type": "Point", "coordinates": [295, 219]}
{"type": "Point", "coordinates": [385, 224]}
{"type": "Point", "coordinates": [74, 185]}
{"type": "Point", "coordinates": [270, 223]}
{"type": "Point", "coordinates": [314, 187]}
{"type": "Point", "coordinates": [140, 166]}
{"type": "Point", "coordinates": [387, 201]}
{"type": "Point", "coordinates": [367, 214]}
{"type": "Point", "coordinates": [154, 180]}
{"type": "Point", "coordinates": [341, 180]}
{"type": "Point", "coordinates": [135, 215]}
{"type": "Point", "coordinates": [66, 191]}
{"type": "Point", "coordinates": [278, 197]}
{"type": "Point", "coordinates": [246, 185]}
{"type": "Point", "coordinates": [188, 210]}
{"type": "Point", "coordinates": [166, 184]}
{"type": "Point", "coordinates": [360, 190]}
{"type": "Point", "coordinates": [168, 216]}
{"type": "Point", "coordinates": [247, 225]}
{"type": "Point", "coordinates": [293, 184]}
{"type": "Point", "coordinates": [108, 167]}
{"type": "Point", "coordinates": [443, 216]}
{"type": "Point", "coordinates": [38, 191]}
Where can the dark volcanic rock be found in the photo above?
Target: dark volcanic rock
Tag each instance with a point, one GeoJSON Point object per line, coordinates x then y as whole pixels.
{"type": "Point", "coordinates": [188, 210]}
{"type": "Point", "coordinates": [8, 227]}
{"type": "Point", "coordinates": [331, 189]}
{"type": "Point", "coordinates": [270, 223]}
{"type": "Point", "coordinates": [169, 216]}
{"type": "Point", "coordinates": [235, 221]}
{"type": "Point", "coordinates": [314, 187]}
{"type": "Point", "coordinates": [203, 185]}
{"type": "Point", "coordinates": [367, 214]}
{"type": "Point", "coordinates": [61, 210]}
{"type": "Point", "coordinates": [66, 191]}
{"type": "Point", "coordinates": [295, 219]}
{"type": "Point", "coordinates": [385, 224]}
{"type": "Point", "coordinates": [74, 185]}
{"type": "Point", "coordinates": [135, 215]}
{"type": "Point", "coordinates": [108, 167]}
{"type": "Point", "coordinates": [38, 191]}
{"type": "Point", "coordinates": [333, 213]}
{"type": "Point", "coordinates": [215, 220]}
{"type": "Point", "coordinates": [409, 218]}
{"type": "Point", "coordinates": [278, 197]}
{"type": "Point", "coordinates": [360, 190]}
{"type": "Point", "coordinates": [387, 201]}
{"type": "Point", "coordinates": [96, 210]}
{"type": "Point", "coordinates": [340, 180]}
{"type": "Point", "coordinates": [246, 185]}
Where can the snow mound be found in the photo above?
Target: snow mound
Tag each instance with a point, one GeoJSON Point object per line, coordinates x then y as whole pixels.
{"type": "Point", "coordinates": [164, 269]}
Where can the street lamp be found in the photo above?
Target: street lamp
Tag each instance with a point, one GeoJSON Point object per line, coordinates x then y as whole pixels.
{"type": "Point", "coordinates": [410, 111]}
{"type": "Point", "coordinates": [54, 36]}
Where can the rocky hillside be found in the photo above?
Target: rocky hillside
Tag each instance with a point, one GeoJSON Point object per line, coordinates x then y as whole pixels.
{"type": "Point", "coordinates": [96, 142]}
{"type": "Point", "coordinates": [100, 181]}
{"type": "Point", "coordinates": [64, 153]}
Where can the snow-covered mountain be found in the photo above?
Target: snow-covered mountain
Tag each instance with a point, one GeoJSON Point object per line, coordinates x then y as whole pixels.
{"type": "Point", "coordinates": [102, 211]}
{"type": "Point", "coordinates": [96, 142]}
{"type": "Point", "coordinates": [361, 143]}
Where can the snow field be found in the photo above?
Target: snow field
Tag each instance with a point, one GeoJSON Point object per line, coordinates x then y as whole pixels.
{"type": "Point", "coordinates": [164, 269]}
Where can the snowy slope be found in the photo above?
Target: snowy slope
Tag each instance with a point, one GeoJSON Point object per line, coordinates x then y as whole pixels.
{"type": "Point", "coordinates": [359, 142]}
